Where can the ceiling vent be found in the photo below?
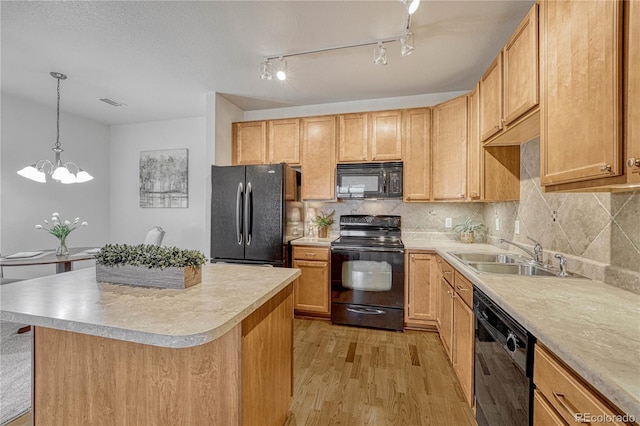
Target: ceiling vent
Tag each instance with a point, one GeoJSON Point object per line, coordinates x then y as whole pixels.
{"type": "Point", "coordinates": [112, 102]}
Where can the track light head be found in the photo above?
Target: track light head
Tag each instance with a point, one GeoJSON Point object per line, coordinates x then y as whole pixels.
{"type": "Point", "coordinates": [380, 54]}
{"type": "Point", "coordinates": [412, 5]}
{"type": "Point", "coordinates": [266, 70]}
{"type": "Point", "coordinates": [406, 44]}
{"type": "Point", "coordinates": [282, 69]}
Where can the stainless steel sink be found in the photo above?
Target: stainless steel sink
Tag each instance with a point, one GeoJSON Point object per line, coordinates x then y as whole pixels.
{"type": "Point", "coordinates": [510, 268]}
{"type": "Point", "coordinates": [488, 257]}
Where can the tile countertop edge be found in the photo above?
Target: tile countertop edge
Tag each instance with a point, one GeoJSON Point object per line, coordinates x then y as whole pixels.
{"type": "Point", "coordinates": [620, 396]}
{"type": "Point", "coordinates": [146, 337]}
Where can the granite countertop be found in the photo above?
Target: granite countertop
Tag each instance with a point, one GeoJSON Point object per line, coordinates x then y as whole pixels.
{"type": "Point", "coordinates": [75, 301]}
{"type": "Point", "coordinates": [593, 327]}
{"type": "Point", "coordinates": [314, 241]}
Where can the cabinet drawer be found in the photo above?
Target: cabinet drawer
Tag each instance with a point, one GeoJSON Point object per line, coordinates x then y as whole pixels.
{"type": "Point", "coordinates": [445, 269]}
{"type": "Point", "coordinates": [566, 392]}
{"type": "Point", "coordinates": [543, 414]}
{"type": "Point", "coordinates": [310, 253]}
{"type": "Point", "coordinates": [464, 288]}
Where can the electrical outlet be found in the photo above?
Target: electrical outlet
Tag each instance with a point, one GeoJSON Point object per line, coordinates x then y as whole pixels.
{"type": "Point", "coordinates": [517, 227]}
{"type": "Point", "coordinates": [447, 222]}
{"type": "Point", "coordinates": [497, 224]}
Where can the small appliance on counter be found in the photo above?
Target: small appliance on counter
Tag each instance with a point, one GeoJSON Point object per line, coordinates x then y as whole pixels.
{"type": "Point", "coordinates": [367, 273]}
{"type": "Point", "coordinates": [248, 209]}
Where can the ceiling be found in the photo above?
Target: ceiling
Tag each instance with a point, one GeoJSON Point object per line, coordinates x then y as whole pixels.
{"type": "Point", "coordinates": [161, 58]}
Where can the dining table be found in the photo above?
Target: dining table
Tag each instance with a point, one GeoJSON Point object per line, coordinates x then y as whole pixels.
{"type": "Point", "coordinates": [48, 257]}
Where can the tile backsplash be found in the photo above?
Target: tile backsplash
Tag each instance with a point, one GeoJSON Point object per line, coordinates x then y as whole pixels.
{"type": "Point", "coordinates": [598, 232]}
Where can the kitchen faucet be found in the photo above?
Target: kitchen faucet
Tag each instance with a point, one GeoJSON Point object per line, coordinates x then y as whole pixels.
{"type": "Point", "coordinates": [536, 254]}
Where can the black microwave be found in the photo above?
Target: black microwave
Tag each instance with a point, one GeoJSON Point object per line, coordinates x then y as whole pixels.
{"type": "Point", "coordinates": [369, 180]}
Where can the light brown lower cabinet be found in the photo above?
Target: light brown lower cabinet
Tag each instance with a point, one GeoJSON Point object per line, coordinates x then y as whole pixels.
{"type": "Point", "coordinates": [445, 316]}
{"type": "Point", "coordinates": [563, 397]}
{"type": "Point", "coordinates": [312, 291]}
{"type": "Point", "coordinates": [421, 284]}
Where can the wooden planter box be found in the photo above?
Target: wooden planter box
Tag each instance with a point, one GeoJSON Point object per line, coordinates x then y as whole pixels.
{"type": "Point", "coordinates": [150, 277]}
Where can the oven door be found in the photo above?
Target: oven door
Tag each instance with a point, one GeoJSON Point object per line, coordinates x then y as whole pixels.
{"type": "Point", "coordinates": [365, 276]}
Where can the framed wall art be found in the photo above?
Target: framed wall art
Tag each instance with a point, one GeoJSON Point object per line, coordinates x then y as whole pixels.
{"type": "Point", "coordinates": [164, 178]}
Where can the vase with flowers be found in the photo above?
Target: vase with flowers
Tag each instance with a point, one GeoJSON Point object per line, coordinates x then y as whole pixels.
{"type": "Point", "coordinates": [61, 229]}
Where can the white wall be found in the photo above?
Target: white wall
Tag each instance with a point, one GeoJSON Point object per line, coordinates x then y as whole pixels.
{"type": "Point", "coordinates": [28, 134]}
{"type": "Point", "coordinates": [415, 101]}
{"type": "Point", "coordinates": [225, 113]}
{"type": "Point", "coordinates": [185, 227]}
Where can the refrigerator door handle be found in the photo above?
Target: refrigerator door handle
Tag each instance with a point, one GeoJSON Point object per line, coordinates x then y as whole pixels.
{"type": "Point", "coordinates": [239, 234]}
{"type": "Point", "coordinates": [248, 213]}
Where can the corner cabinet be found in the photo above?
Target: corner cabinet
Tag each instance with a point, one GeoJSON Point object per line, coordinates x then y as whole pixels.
{"type": "Point", "coordinates": [312, 290]}
{"type": "Point", "coordinates": [319, 135]}
{"type": "Point", "coordinates": [581, 83]}
{"type": "Point", "coordinates": [416, 174]}
{"type": "Point", "coordinates": [421, 281]}
{"type": "Point", "coordinates": [372, 136]}
{"type": "Point", "coordinates": [449, 150]}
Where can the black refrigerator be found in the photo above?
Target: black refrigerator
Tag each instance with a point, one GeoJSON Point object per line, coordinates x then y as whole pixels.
{"type": "Point", "coordinates": [248, 209]}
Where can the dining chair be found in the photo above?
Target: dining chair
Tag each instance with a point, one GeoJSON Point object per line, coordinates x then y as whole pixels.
{"type": "Point", "coordinates": [4, 280]}
{"type": "Point", "coordinates": [154, 236]}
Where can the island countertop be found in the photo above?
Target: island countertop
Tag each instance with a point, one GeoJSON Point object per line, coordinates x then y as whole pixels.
{"type": "Point", "coordinates": [173, 318]}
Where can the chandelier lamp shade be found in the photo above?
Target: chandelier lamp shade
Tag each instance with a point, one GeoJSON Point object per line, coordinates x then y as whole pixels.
{"type": "Point", "coordinates": [268, 68]}
{"type": "Point", "coordinates": [57, 170]}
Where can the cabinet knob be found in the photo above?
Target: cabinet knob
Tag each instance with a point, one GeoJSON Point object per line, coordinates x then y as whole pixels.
{"type": "Point", "coordinates": [461, 195]}
{"type": "Point", "coordinates": [633, 162]}
{"type": "Point", "coordinates": [605, 168]}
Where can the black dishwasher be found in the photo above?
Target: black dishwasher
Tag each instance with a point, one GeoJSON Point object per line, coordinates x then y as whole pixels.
{"type": "Point", "coordinates": [503, 366]}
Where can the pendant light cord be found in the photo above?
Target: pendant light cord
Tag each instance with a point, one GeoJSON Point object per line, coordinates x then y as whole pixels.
{"type": "Point", "coordinates": [58, 117]}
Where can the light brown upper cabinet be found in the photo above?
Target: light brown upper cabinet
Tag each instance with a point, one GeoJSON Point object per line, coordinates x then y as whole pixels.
{"type": "Point", "coordinates": [373, 136]}
{"type": "Point", "coordinates": [266, 142]}
{"type": "Point", "coordinates": [475, 153]}
{"type": "Point", "coordinates": [318, 169]}
{"type": "Point", "coordinates": [284, 141]}
{"type": "Point", "coordinates": [449, 150]}
{"type": "Point", "coordinates": [633, 92]}
{"type": "Point", "coordinates": [491, 121]}
{"type": "Point", "coordinates": [249, 144]}
{"type": "Point", "coordinates": [581, 85]}
{"type": "Point", "coordinates": [509, 89]}
{"type": "Point", "coordinates": [416, 179]}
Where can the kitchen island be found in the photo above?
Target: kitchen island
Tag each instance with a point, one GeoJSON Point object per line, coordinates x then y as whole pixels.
{"type": "Point", "coordinates": [218, 353]}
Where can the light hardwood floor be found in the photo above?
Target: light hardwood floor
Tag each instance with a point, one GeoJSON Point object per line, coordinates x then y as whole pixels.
{"type": "Point", "coordinates": [356, 376]}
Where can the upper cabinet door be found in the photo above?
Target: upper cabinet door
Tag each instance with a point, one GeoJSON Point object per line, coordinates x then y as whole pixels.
{"type": "Point", "coordinates": [284, 141]}
{"type": "Point", "coordinates": [386, 135]}
{"type": "Point", "coordinates": [319, 158]}
{"type": "Point", "coordinates": [633, 92]}
{"type": "Point", "coordinates": [449, 167]}
{"type": "Point", "coordinates": [249, 143]}
{"type": "Point", "coordinates": [520, 61]}
{"type": "Point", "coordinates": [353, 144]}
{"type": "Point", "coordinates": [416, 172]}
{"type": "Point", "coordinates": [474, 148]}
{"type": "Point", "coordinates": [491, 100]}
{"type": "Point", "coordinates": [581, 88]}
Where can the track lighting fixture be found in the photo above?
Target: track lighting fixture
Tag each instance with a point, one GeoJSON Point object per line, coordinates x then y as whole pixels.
{"type": "Point", "coordinates": [58, 170]}
{"type": "Point", "coordinates": [266, 70]}
{"type": "Point", "coordinates": [282, 69]}
{"type": "Point", "coordinates": [406, 43]}
{"type": "Point", "coordinates": [412, 5]}
{"type": "Point", "coordinates": [380, 54]}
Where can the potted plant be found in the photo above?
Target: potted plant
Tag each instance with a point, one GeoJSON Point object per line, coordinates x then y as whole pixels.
{"type": "Point", "coordinates": [149, 265]}
{"type": "Point", "coordinates": [469, 230]}
{"type": "Point", "coordinates": [324, 222]}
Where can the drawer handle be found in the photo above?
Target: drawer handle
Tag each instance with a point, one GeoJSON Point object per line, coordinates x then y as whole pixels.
{"type": "Point", "coordinates": [460, 288]}
{"type": "Point", "coordinates": [565, 404]}
{"type": "Point", "coordinates": [311, 254]}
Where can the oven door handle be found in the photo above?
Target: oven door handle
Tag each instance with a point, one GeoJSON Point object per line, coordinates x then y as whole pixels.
{"type": "Point", "coordinates": [366, 311]}
{"type": "Point", "coordinates": [361, 249]}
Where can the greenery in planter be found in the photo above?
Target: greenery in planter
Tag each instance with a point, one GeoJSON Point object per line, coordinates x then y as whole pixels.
{"type": "Point", "coordinates": [150, 256]}
{"type": "Point", "coordinates": [469, 225]}
{"type": "Point", "coordinates": [324, 220]}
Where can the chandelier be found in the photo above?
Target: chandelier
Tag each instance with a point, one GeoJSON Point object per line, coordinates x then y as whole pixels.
{"type": "Point", "coordinates": [57, 170]}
